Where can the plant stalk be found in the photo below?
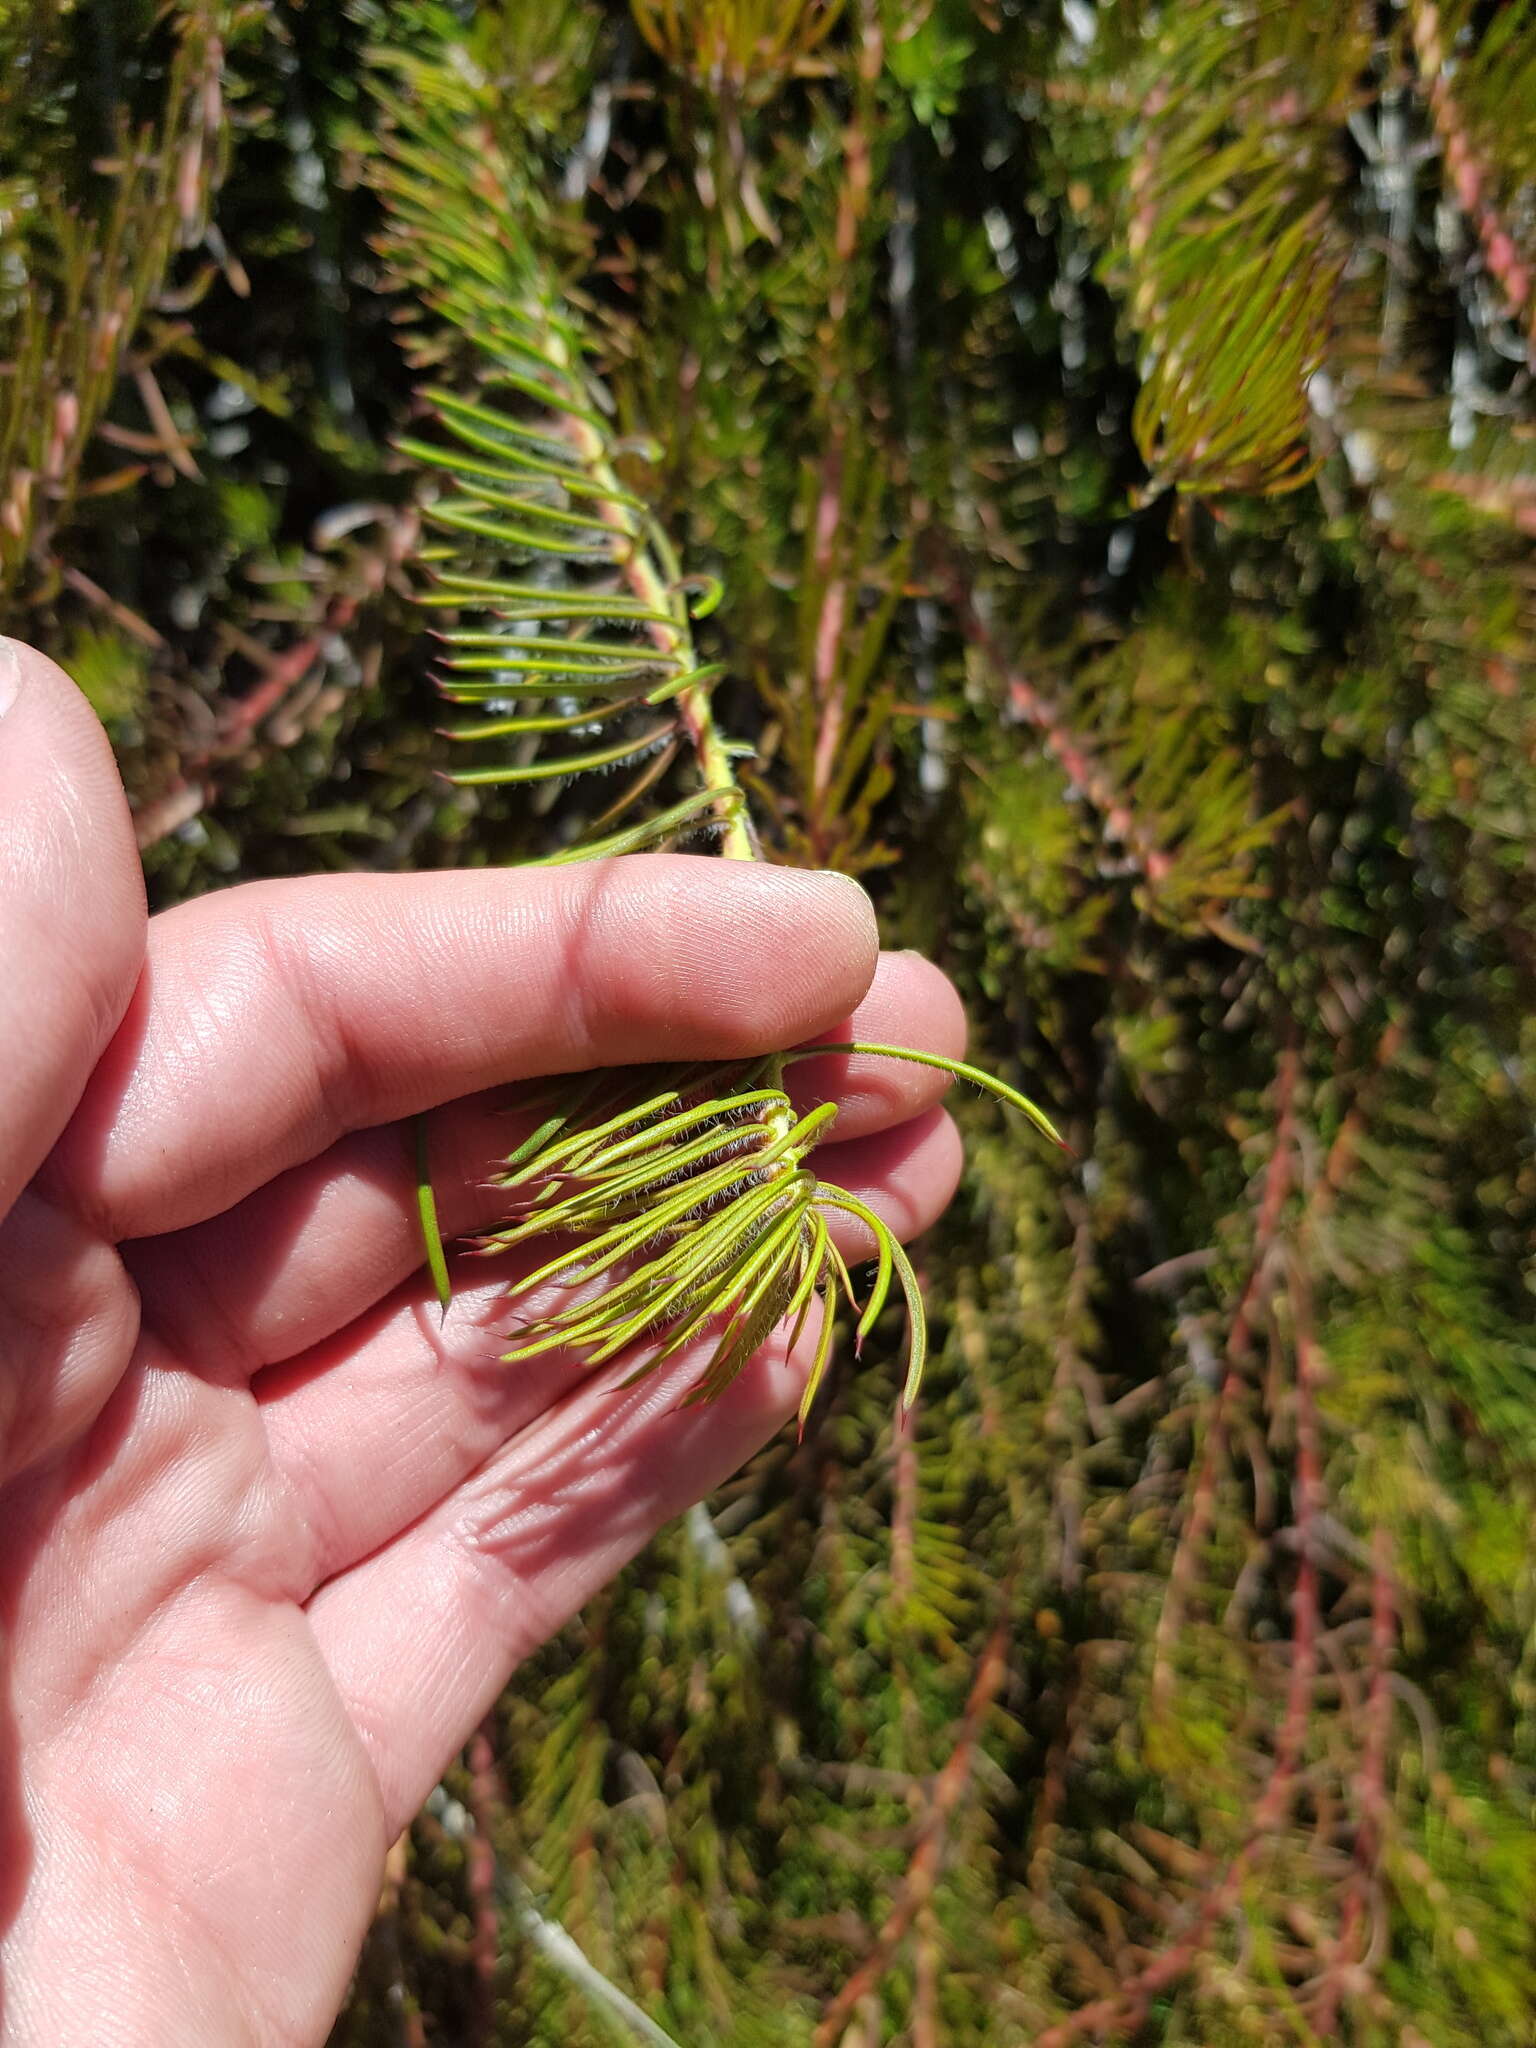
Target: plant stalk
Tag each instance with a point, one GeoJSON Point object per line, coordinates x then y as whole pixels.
{"type": "Point", "coordinates": [694, 705]}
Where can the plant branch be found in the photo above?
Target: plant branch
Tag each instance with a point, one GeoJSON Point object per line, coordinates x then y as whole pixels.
{"type": "Point", "coordinates": [922, 1873]}
{"type": "Point", "coordinates": [1468, 174]}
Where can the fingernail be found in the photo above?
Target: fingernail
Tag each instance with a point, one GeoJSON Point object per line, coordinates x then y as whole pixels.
{"type": "Point", "coordinates": [848, 903]}
{"type": "Point", "coordinates": [797, 893]}
{"type": "Point", "coordinates": [837, 875]}
{"type": "Point", "coordinates": [837, 887]}
{"type": "Point", "coordinates": [10, 675]}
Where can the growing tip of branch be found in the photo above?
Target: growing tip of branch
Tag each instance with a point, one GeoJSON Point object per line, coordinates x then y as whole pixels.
{"type": "Point", "coordinates": [705, 593]}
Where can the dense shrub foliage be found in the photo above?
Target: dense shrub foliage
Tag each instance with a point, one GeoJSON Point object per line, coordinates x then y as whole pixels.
{"type": "Point", "coordinates": [1112, 426]}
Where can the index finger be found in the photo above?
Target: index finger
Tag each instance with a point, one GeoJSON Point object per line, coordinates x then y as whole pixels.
{"type": "Point", "coordinates": [276, 1017]}
{"type": "Point", "coordinates": [71, 906]}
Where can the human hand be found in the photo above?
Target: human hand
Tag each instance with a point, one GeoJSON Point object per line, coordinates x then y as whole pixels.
{"type": "Point", "coordinates": [271, 1540]}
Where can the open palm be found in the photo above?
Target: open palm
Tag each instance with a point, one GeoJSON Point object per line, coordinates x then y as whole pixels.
{"type": "Point", "coordinates": [271, 1537]}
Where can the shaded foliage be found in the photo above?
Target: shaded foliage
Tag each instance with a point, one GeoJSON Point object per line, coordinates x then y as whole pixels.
{"type": "Point", "coordinates": [1113, 430]}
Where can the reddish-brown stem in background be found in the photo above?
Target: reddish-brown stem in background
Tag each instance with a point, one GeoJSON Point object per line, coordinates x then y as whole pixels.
{"type": "Point", "coordinates": [485, 1800]}
{"type": "Point", "coordinates": [922, 1873]}
{"type": "Point", "coordinates": [1127, 2007]}
{"type": "Point", "coordinates": [1308, 1507]}
{"type": "Point", "coordinates": [1370, 1790]}
{"type": "Point", "coordinates": [853, 193]}
{"type": "Point", "coordinates": [1277, 1184]}
{"type": "Point", "coordinates": [1466, 172]}
{"type": "Point", "coordinates": [195, 787]}
{"type": "Point", "coordinates": [926, 2027]}
{"type": "Point", "coordinates": [829, 625]}
{"type": "Point", "coordinates": [1344, 1150]}
{"type": "Point", "coordinates": [1073, 753]}
{"type": "Point", "coordinates": [120, 614]}
{"type": "Point", "coordinates": [1052, 1796]}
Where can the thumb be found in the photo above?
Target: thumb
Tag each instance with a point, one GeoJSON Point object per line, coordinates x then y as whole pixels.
{"type": "Point", "coordinates": [72, 917]}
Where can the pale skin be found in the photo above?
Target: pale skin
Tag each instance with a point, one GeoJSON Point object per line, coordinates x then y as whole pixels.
{"type": "Point", "coordinates": [272, 1539]}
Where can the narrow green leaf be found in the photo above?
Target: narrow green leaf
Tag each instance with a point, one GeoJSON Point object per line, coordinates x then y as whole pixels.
{"type": "Point", "coordinates": [565, 764]}
{"type": "Point", "coordinates": [961, 1070]}
{"type": "Point", "coordinates": [889, 1247]}
{"type": "Point", "coordinates": [651, 833]}
{"type": "Point", "coordinates": [426, 1212]}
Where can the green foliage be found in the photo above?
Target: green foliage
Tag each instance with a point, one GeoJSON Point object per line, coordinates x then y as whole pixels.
{"type": "Point", "coordinates": [1230, 244]}
{"type": "Point", "coordinates": [694, 1209]}
{"type": "Point", "coordinates": [1494, 85]}
{"type": "Point", "coordinates": [80, 267]}
{"type": "Point", "coordinates": [836, 705]}
{"type": "Point", "coordinates": [113, 672]}
{"type": "Point", "coordinates": [595, 629]}
{"type": "Point", "coordinates": [1170, 1675]}
{"type": "Point", "coordinates": [743, 46]}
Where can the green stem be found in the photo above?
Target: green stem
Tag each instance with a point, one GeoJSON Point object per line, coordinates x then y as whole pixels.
{"type": "Point", "coordinates": [662, 593]}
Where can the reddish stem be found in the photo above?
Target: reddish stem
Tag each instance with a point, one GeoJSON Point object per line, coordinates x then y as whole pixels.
{"type": "Point", "coordinates": [922, 1873]}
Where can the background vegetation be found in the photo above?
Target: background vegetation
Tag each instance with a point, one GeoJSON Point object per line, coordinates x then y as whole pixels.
{"type": "Point", "coordinates": [1113, 425]}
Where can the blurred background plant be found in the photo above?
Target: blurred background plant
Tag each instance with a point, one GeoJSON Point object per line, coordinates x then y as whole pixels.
{"type": "Point", "coordinates": [1114, 427]}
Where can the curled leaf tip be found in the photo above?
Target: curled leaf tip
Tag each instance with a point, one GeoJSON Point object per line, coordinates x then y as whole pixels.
{"type": "Point", "coordinates": [704, 592]}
